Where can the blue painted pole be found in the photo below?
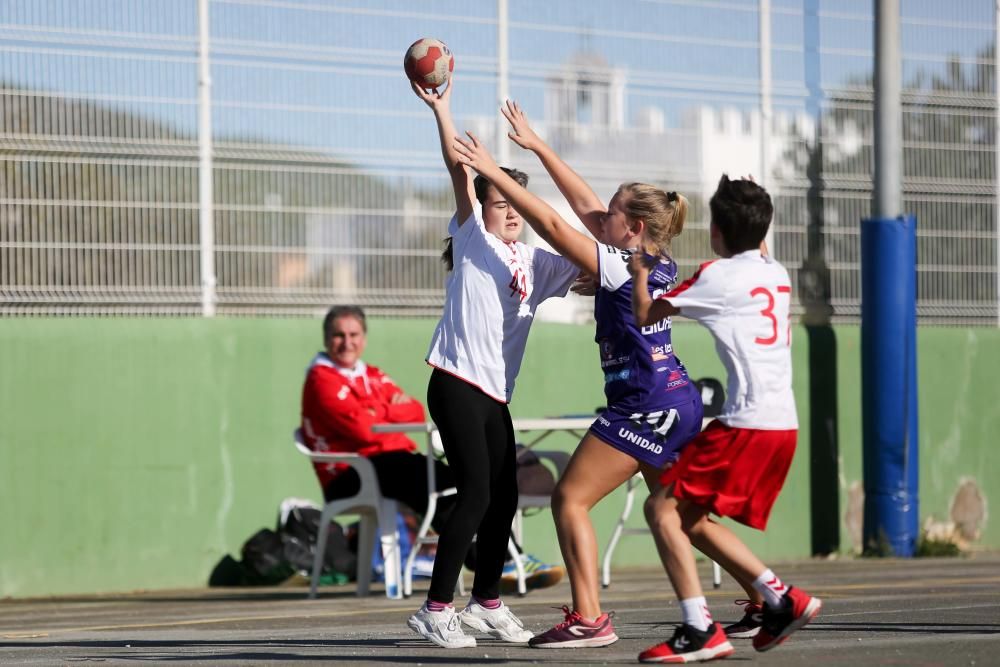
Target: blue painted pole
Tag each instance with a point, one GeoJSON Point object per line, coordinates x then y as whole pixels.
{"type": "Point", "coordinates": [889, 384]}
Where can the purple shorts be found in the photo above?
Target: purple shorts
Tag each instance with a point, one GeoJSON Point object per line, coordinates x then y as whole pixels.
{"type": "Point", "coordinates": [656, 437]}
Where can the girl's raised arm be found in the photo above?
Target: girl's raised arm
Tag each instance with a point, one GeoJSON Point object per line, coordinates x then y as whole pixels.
{"type": "Point", "coordinates": [461, 179]}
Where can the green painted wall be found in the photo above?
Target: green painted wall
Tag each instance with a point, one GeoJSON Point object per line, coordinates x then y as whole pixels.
{"type": "Point", "coordinates": [959, 419]}
{"type": "Point", "coordinates": [134, 453]}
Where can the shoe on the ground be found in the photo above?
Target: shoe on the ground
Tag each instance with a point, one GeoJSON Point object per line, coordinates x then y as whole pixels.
{"type": "Point", "coordinates": [797, 608]}
{"type": "Point", "coordinates": [441, 627]}
{"type": "Point", "coordinates": [749, 625]}
{"type": "Point", "coordinates": [500, 622]}
{"type": "Point", "coordinates": [689, 644]}
{"type": "Point", "coordinates": [575, 632]}
{"type": "Point", "coordinates": [537, 574]}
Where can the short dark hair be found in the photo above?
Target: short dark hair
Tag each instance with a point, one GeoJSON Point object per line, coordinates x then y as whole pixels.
{"type": "Point", "coordinates": [742, 211]}
{"type": "Point", "coordinates": [336, 313]}
{"type": "Point", "coordinates": [482, 185]}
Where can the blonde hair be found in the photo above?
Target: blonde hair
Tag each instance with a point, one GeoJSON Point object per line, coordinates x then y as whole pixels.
{"type": "Point", "coordinates": [662, 212]}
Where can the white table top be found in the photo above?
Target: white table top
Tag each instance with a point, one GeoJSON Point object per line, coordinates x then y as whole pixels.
{"type": "Point", "coordinates": [540, 424]}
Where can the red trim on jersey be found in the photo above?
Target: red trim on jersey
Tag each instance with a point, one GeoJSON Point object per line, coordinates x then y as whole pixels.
{"type": "Point", "coordinates": [466, 381]}
{"type": "Point", "coordinates": [687, 283]}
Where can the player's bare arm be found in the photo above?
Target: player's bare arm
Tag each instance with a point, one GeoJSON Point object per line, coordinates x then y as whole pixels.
{"type": "Point", "coordinates": [440, 103]}
{"type": "Point", "coordinates": [568, 241]}
{"type": "Point", "coordinates": [644, 308]}
{"type": "Point", "coordinates": [581, 198]}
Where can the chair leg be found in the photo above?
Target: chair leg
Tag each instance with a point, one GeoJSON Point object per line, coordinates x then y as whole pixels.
{"type": "Point", "coordinates": [522, 584]}
{"type": "Point", "coordinates": [418, 544]}
{"type": "Point", "coordinates": [391, 555]}
{"type": "Point", "coordinates": [616, 534]}
{"type": "Point", "coordinates": [366, 545]}
{"type": "Point", "coordinates": [317, 569]}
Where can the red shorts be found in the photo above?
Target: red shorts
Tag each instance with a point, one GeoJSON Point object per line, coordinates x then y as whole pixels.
{"type": "Point", "coordinates": [734, 472]}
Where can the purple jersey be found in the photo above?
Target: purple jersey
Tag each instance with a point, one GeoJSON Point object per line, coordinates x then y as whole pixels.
{"type": "Point", "coordinates": [641, 372]}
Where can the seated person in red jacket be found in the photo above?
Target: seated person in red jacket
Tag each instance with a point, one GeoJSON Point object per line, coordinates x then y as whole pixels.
{"type": "Point", "coordinates": [341, 400]}
{"type": "Point", "coordinates": [343, 397]}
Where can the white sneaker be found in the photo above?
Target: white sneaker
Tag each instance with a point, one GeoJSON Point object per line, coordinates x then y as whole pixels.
{"type": "Point", "coordinates": [500, 622]}
{"type": "Point", "coordinates": [441, 627]}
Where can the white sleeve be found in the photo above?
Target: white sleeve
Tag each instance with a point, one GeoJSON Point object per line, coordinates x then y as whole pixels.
{"type": "Point", "coordinates": [472, 229]}
{"type": "Point", "coordinates": [702, 296]}
{"type": "Point", "coordinates": [553, 274]}
{"type": "Point", "coordinates": [612, 264]}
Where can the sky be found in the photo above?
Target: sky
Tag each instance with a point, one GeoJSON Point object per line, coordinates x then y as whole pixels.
{"type": "Point", "coordinates": [327, 74]}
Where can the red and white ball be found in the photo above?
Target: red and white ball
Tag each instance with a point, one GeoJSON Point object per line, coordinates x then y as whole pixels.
{"type": "Point", "coordinates": [428, 62]}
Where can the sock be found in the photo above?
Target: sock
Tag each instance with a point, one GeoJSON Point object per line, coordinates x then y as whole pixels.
{"type": "Point", "coordinates": [770, 587]}
{"type": "Point", "coordinates": [695, 612]}
{"type": "Point", "coordinates": [487, 603]}
{"type": "Point", "coordinates": [434, 605]}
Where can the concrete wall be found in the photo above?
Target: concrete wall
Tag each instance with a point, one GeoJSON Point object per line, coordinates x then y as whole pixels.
{"type": "Point", "coordinates": [134, 453]}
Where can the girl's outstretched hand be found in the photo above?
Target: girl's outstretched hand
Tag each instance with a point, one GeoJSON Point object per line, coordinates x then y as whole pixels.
{"type": "Point", "coordinates": [522, 134]}
{"type": "Point", "coordinates": [472, 153]}
{"type": "Point", "coordinates": [640, 262]}
{"type": "Point", "coordinates": [584, 285]}
{"type": "Point", "coordinates": [433, 97]}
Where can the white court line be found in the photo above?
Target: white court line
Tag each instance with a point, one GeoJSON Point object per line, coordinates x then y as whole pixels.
{"type": "Point", "coordinates": [824, 615]}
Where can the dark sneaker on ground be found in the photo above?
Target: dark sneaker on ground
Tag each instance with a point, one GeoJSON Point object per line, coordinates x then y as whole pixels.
{"type": "Point", "coordinates": [576, 632]}
{"type": "Point", "coordinates": [537, 574]}
{"type": "Point", "coordinates": [689, 644]}
{"type": "Point", "coordinates": [797, 608]}
{"type": "Point", "coordinates": [749, 625]}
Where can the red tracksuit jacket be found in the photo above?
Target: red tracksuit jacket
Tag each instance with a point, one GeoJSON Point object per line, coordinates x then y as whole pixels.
{"type": "Point", "coordinates": [336, 413]}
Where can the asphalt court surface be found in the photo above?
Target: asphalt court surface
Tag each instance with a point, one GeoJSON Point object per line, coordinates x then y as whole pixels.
{"type": "Point", "coordinates": [875, 612]}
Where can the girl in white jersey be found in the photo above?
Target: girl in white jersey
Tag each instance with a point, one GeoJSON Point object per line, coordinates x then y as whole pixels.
{"type": "Point", "coordinates": [493, 288]}
{"type": "Point", "coordinates": [653, 408]}
{"type": "Point", "coordinates": [737, 465]}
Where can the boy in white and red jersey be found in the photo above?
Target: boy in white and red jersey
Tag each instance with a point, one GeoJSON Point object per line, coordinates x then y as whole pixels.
{"type": "Point", "coordinates": [738, 464]}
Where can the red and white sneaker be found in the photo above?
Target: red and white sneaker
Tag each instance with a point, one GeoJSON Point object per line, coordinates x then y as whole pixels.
{"type": "Point", "coordinates": [576, 632]}
{"type": "Point", "coordinates": [749, 625]}
{"type": "Point", "coordinates": [796, 610]}
{"type": "Point", "coordinates": [690, 644]}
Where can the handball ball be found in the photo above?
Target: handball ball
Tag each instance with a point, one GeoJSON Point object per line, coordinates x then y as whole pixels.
{"type": "Point", "coordinates": [428, 62]}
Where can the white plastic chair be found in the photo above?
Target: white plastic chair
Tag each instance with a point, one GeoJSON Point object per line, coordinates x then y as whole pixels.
{"type": "Point", "coordinates": [378, 514]}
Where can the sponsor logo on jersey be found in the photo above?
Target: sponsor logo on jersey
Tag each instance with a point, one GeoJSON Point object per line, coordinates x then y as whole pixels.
{"type": "Point", "coordinates": [661, 352]}
{"type": "Point", "coordinates": [603, 421]}
{"type": "Point", "coordinates": [675, 380]}
{"type": "Point", "coordinates": [615, 362]}
{"type": "Point", "coordinates": [639, 441]}
{"type": "Point", "coordinates": [617, 376]}
{"type": "Point", "coordinates": [662, 325]}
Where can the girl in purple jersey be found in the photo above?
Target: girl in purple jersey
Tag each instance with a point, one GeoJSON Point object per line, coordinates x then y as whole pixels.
{"type": "Point", "coordinates": [653, 408]}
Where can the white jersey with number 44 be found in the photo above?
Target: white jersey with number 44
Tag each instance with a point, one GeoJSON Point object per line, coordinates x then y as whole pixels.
{"type": "Point", "coordinates": [744, 300]}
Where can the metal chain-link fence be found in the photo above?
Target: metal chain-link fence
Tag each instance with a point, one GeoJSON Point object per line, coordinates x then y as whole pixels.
{"type": "Point", "coordinates": [328, 183]}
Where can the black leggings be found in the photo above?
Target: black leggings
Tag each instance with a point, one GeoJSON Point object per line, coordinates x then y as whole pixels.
{"type": "Point", "coordinates": [478, 439]}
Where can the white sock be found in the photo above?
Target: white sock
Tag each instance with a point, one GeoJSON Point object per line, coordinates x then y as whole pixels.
{"type": "Point", "coordinates": [695, 612]}
{"type": "Point", "coordinates": [770, 587]}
